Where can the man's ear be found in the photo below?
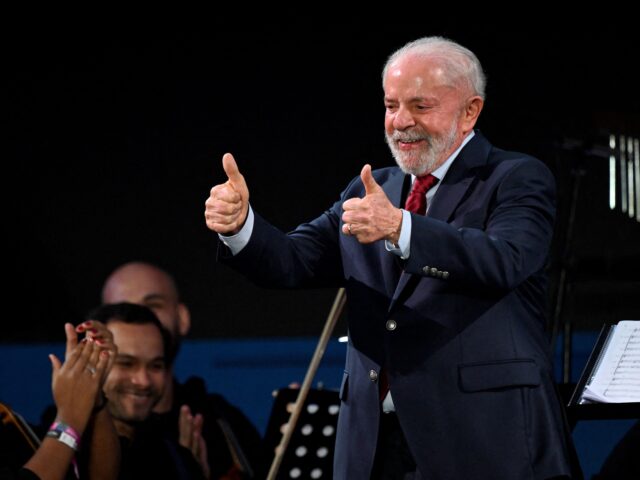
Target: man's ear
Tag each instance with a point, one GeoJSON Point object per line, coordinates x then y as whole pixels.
{"type": "Point", "coordinates": [184, 320]}
{"type": "Point", "coordinates": [471, 113]}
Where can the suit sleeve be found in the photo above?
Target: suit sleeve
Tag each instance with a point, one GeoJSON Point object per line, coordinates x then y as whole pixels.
{"type": "Point", "coordinates": [308, 256]}
{"type": "Point", "coordinates": [509, 245]}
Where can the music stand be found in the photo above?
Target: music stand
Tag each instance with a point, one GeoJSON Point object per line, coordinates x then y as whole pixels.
{"type": "Point", "coordinates": [310, 451]}
{"type": "Point", "coordinates": [579, 409]}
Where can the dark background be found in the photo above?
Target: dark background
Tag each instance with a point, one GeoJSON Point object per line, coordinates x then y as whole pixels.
{"type": "Point", "coordinates": [117, 136]}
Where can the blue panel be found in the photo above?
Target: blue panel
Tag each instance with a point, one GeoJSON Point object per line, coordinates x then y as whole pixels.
{"type": "Point", "coordinates": [247, 371]}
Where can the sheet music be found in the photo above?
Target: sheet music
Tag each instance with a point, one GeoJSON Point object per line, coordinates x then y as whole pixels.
{"type": "Point", "coordinates": [616, 377]}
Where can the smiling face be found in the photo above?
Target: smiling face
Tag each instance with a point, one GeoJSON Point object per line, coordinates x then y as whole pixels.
{"type": "Point", "coordinates": [427, 113]}
{"type": "Point", "coordinates": [138, 377]}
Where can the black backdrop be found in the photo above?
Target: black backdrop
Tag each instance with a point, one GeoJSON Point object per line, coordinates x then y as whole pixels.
{"type": "Point", "coordinates": [116, 138]}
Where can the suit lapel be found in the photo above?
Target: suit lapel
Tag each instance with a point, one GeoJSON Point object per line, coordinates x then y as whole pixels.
{"type": "Point", "coordinates": [448, 197]}
{"type": "Point", "coordinates": [459, 178]}
{"type": "Point", "coordinates": [391, 264]}
{"type": "Point", "coordinates": [393, 187]}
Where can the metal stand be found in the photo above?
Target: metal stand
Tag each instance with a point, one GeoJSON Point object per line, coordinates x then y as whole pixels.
{"type": "Point", "coordinates": [558, 322]}
{"type": "Point", "coordinates": [334, 314]}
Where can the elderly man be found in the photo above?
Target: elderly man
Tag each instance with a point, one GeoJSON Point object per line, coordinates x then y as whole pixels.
{"type": "Point", "coordinates": [448, 374]}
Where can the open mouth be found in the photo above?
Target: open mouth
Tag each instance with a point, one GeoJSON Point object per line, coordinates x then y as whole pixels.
{"type": "Point", "coordinates": [409, 144]}
{"type": "Point", "coordinates": [136, 395]}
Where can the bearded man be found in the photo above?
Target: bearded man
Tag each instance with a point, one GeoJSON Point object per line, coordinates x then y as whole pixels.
{"type": "Point", "coordinates": [448, 374]}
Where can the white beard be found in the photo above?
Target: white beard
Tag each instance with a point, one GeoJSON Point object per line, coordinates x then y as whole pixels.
{"type": "Point", "coordinates": [428, 158]}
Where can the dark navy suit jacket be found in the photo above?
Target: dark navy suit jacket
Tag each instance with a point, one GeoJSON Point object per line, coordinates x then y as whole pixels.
{"type": "Point", "coordinates": [466, 353]}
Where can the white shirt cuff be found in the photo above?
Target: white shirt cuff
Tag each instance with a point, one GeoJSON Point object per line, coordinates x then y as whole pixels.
{"type": "Point", "coordinates": [403, 248]}
{"type": "Point", "coordinates": [240, 240]}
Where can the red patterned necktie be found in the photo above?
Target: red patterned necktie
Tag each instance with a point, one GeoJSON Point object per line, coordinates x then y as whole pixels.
{"type": "Point", "coordinates": [417, 199]}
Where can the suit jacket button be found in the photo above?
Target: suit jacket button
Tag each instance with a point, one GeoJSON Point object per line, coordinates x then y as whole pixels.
{"type": "Point", "coordinates": [434, 271]}
{"type": "Point", "coordinates": [445, 275]}
{"type": "Point", "coordinates": [373, 375]}
{"type": "Point", "coordinates": [425, 270]}
{"type": "Point", "coordinates": [439, 274]}
{"type": "Point", "coordinates": [391, 325]}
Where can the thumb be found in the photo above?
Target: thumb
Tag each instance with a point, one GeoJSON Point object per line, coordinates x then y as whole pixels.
{"type": "Point", "coordinates": [370, 185]}
{"type": "Point", "coordinates": [231, 169]}
{"type": "Point", "coordinates": [55, 363]}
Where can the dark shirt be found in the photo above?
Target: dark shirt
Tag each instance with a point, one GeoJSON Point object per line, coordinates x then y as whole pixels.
{"type": "Point", "coordinates": [152, 454]}
{"type": "Point", "coordinates": [224, 425]}
{"type": "Point", "coordinates": [216, 411]}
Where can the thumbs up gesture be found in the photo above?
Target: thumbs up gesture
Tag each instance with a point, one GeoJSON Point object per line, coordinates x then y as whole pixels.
{"type": "Point", "coordinates": [228, 203]}
{"type": "Point", "coordinates": [372, 217]}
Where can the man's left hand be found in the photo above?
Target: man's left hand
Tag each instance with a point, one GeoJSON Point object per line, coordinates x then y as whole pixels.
{"type": "Point", "coordinates": [373, 217]}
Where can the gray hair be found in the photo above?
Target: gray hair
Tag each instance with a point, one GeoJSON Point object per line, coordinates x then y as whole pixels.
{"type": "Point", "coordinates": [459, 62]}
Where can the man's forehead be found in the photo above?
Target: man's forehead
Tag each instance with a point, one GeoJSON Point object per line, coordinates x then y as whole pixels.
{"type": "Point", "coordinates": [150, 297]}
{"type": "Point", "coordinates": [134, 334]}
{"type": "Point", "coordinates": [139, 350]}
{"type": "Point", "coordinates": [136, 288]}
{"type": "Point", "coordinates": [137, 358]}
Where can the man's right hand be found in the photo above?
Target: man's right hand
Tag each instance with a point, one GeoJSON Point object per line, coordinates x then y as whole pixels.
{"type": "Point", "coordinates": [228, 203]}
